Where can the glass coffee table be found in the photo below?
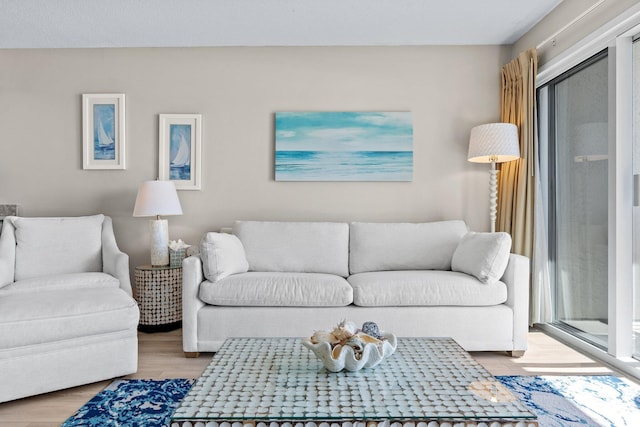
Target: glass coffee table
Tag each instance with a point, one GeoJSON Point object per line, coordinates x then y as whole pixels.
{"type": "Point", "coordinates": [278, 382]}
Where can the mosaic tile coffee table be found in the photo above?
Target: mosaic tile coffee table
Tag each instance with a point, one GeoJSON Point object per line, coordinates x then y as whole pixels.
{"type": "Point", "coordinates": [277, 382]}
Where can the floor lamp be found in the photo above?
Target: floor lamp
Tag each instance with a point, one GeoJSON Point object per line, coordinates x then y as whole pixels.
{"type": "Point", "coordinates": [157, 198]}
{"type": "Point", "coordinates": [494, 143]}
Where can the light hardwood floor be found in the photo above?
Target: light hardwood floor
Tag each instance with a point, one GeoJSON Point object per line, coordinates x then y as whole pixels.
{"type": "Point", "coordinates": [160, 356]}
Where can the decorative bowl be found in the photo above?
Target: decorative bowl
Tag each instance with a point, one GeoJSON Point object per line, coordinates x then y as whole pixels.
{"type": "Point", "coordinates": [345, 357]}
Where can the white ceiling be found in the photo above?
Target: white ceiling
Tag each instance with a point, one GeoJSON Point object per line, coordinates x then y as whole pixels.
{"type": "Point", "coordinates": [167, 23]}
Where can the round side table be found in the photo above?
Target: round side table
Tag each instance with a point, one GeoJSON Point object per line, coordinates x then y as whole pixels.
{"type": "Point", "coordinates": [159, 294]}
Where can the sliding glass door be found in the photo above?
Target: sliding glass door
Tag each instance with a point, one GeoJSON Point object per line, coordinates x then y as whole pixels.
{"type": "Point", "coordinates": [578, 115]}
{"type": "Point", "coordinates": [589, 153]}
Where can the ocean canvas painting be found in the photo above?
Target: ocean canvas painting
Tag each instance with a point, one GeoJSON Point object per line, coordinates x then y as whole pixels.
{"type": "Point", "coordinates": [344, 146]}
{"type": "Point", "coordinates": [104, 130]}
{"type": "Point", "coordinates": [180, 152]}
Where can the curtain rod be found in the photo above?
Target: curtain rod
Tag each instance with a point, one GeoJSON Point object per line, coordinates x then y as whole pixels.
{"type": "Point", "coordinates": [578, 18]}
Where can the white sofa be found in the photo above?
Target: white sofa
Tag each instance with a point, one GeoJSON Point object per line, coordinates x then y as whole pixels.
{"type": "Point", "coordinates": [66, 312]}
{"type": "Point", "coordinates": [291, 278]}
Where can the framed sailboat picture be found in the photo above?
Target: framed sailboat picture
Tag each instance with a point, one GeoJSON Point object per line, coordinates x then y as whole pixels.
{"type": "Point", "coordinates": [180, 149]}
{"type": "Point", "coordinates": [103, 131]}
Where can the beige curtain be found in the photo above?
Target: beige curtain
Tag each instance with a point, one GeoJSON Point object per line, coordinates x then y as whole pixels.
{"type": "Point", "coordinates": [515, 180]}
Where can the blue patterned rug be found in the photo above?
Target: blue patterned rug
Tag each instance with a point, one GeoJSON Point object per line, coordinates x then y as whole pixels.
{"type": "Point", "coordinates": [578, 400]}
{"type": "Point", "coordinates": [132, 403]}
{"type": "Point", "coordinates": [558, 401]}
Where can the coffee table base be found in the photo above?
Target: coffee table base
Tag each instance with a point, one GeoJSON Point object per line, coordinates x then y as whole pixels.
{"type": "Point", "coordinates": [315, 423]}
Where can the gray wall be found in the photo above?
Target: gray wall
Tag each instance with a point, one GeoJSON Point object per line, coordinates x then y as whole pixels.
{"type": "Point", "coordinates": [238, 90]}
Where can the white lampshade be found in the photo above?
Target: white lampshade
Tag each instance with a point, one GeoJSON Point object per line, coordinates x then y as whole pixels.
{"type": "Point", "coordinates": [494, 142]}
{"type": "Point", "coordinates": [157, 198]}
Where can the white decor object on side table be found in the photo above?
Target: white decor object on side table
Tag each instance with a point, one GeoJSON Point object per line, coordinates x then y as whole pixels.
{"type": "Point", "coordinates": [494, 143]}
{"type": "Point", "coordinates": [157, 198]}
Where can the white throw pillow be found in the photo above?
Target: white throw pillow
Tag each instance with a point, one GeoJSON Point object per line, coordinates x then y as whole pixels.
{"type": "Point", "coordinates": [483, 255]}
{"type": "Point", "coordinates": [222, 255]}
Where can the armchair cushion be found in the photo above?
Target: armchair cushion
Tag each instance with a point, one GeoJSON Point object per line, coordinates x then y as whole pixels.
{"type": "Point", "coordinates": [46, 246]}
{"type": "Point", "coordinates": [49, 316]}
{"type": "Point", "coordinates": [62, 282]}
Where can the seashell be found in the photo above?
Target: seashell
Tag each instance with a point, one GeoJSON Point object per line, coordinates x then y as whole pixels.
{"type": "Point", "coordinates": [349, 326]}
{"type": "Point", "coordinates": [371, 328]}
{"type": "Point", "coordinates": [368, 339]}
{"type": "Point", "coordinates": [323, 336]}
{"type": "Point", "coordinates": [344, 330]}
{"type": "Point", "coordinates": [356, 343]}
{"type": "Point", "coordinates": [335, 353]}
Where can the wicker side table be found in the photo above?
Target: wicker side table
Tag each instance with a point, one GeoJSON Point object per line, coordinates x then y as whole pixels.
{"type": "Point", "coordinates": [159, 294]}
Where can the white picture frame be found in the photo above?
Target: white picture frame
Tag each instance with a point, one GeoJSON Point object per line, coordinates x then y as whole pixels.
{"type": "Point", "coordinates": [103, 131]}
{"type": "Point", "coordinates": [180, 150]}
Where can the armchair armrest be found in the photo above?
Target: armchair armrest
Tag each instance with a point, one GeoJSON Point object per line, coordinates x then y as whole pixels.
{"type": "Point", "coordinates": [7, 252]}
{"type": "Point", "coordinates": [516, 277]}
{"type": "Point", "coordinates": [192, 276]}
{"type": "Point", "coordinates": [114, 261]}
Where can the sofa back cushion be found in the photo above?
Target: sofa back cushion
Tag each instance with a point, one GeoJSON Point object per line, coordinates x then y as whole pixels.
{"type": "Point", "coordinates": [296, 247]}
{"type": "Point", "coordinates": [403, 246]}
{"type": "Point", "coordinates": [47, 246]}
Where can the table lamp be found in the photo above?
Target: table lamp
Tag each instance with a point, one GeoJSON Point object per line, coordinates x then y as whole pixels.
{"type": "Point", "coordinates": [494, 143]}
{"type": "Point", "coordinates": [157, 198]}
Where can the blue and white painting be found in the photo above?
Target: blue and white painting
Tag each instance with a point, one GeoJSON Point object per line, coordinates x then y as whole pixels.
{"type": "Point", "coordinates": [180, 152]}
{"type": "Point", "coordinates": [104, 131]}
{"type": "Point", "coordinates": [344, 146]}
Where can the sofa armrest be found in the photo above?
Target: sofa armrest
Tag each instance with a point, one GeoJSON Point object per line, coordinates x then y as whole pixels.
{"type": "Point", "coordinates": [516, 277]}
{"type": "Point", "coordinates": [192, 276]}
{"type": "Point", "coordinates": [7, 252]}
{"type": "Point", "coordinates": [114, 261]}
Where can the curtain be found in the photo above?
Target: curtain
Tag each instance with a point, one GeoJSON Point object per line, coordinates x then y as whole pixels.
{"type": "Point", "coordinates": [540, 296]}
{"type": "Point", "coordinates": [520, 211]}
{"type": "Point", "coordinates": [515, 180]}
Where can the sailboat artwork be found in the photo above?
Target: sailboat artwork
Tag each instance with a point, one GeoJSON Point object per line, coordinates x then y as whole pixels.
{"type": "Point", "coordinates": [104, 147]}
{"type": "Point", "coordinates": [180, 152]}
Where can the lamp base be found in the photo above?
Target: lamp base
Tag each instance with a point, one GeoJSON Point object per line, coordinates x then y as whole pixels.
{"type": "Point", "coordinates": [493, 196]}
{"type": "Point", "coordinates": [159, 242]}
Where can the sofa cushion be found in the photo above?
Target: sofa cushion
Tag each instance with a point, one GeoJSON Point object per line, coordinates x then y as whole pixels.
{"type": "Point", "coordinates": [62, 282]}
{"type": "Point", "coordinates": [483, 255]}
{"type": "Point", "coordinates": [222, 255]}
{"type": "Point", "coordinates": [49, 316]}
{"type": "Point", "coordinates": [46, 246]}
{"type": "Point", "coordinates": [424, 288]}
{"type": "Point", "coordinates": [278, 289]}
{"type": "Point", "coordinates": [295, 247]}
{"type": "Point", "coordinates": [403, 246]}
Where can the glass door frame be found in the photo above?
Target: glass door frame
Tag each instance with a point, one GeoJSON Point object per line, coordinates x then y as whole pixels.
{"type": "Point", "coordinates": [621, 197]}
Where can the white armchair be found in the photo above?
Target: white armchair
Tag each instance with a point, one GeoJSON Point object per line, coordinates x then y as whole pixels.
{"type": "Point", "coordinates": [67, 316]}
